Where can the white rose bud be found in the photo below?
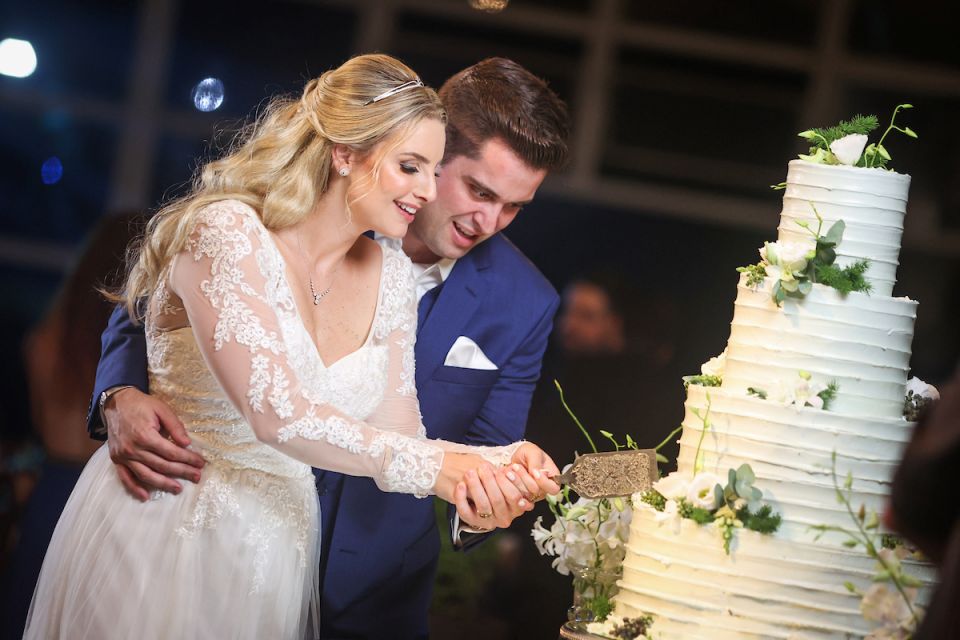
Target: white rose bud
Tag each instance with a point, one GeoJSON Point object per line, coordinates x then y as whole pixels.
{"type": "Point", "coordinates": [848, 149]}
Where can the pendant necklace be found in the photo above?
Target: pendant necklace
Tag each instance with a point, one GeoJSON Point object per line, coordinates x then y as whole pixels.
{"type": "Point", "coordinates": [317, 296]}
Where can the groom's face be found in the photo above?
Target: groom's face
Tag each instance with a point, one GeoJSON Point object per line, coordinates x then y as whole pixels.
{"type": "Point", "coordinates": [476, 198]}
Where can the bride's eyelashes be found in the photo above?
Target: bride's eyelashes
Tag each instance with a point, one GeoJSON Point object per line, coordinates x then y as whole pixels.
{"type": "Point", "coordinates": [406, 167]}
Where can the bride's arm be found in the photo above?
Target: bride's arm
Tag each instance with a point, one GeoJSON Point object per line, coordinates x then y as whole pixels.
{"type": "Point", "coordinates": [227, 278]}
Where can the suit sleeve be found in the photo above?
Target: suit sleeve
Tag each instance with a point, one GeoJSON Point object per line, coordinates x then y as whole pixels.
{"type": "Point", "coordinates": [123, 361]}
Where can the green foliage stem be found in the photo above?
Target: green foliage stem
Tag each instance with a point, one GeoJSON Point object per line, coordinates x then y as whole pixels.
{"type": "Point", "coordinates": [575, 419]}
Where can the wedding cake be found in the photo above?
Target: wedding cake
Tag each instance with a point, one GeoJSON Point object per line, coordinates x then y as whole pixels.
{"type": "Point", "coordinates": [810, 394]}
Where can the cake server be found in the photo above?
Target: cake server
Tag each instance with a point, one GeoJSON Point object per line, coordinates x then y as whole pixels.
{"type": "Point", "coordinates": [612, 473]}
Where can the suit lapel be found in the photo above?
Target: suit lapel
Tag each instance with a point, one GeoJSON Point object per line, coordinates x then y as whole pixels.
{"type": "Point", "coordinates": [458, 301]}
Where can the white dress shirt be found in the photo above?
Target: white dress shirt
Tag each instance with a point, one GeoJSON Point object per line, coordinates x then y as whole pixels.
{"type": "Point", "coordinates": [433, 275]}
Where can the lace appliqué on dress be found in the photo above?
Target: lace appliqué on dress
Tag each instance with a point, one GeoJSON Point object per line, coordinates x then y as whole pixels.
{"type": "Point", "coordinates": [284, 505]}
{"type": "Point", "coordinates": [399, 311]}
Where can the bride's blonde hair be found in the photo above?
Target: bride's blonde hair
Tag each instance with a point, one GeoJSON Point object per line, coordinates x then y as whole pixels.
{"type": "Point", "coordinates": [280, 164]}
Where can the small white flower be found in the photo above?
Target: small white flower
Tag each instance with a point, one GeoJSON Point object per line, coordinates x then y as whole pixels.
{"type": "Point", "coordinates": [715, 365]}
{"type": "Point", "coordinates": [673, 486]}
{"type": "Point", "coordinates": [700, 492]}
{"type": "Point", "coordinates": [800, 392]}
{"type": "Point", "coordinates": [921, 388]}
{"type": "Point", "coordinates": [848, 149]}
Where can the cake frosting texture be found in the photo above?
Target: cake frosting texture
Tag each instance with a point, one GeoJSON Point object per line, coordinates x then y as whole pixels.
{"type": "Point", "coordinates": [791, 584]}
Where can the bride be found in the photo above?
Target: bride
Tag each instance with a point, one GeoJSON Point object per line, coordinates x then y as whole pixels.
{"type": "Point", "coordinates": [283, 337]}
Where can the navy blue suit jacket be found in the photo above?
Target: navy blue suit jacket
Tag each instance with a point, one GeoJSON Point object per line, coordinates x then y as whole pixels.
{"type": "Point", "coordinates": [380, 550]}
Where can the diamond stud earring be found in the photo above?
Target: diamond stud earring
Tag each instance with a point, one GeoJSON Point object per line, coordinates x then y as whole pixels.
{"type": "Point", "coordinates": [344, 171]}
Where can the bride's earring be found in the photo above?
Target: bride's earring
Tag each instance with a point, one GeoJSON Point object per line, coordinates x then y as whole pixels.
{"type": "Point", "coordinates": [344, 171]}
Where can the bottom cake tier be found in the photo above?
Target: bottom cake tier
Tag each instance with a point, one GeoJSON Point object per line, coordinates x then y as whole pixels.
{"type": "Point", "coordinates": [768, 587]}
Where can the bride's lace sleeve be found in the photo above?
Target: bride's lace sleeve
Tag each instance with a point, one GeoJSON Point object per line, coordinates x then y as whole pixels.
{"type": "Point", "coordinates": [400, 405]}
{"type": "Point", "coordinates": [227, 279]}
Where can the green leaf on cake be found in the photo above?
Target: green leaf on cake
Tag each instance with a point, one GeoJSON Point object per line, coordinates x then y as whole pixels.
{"type": "Point", "coordinates": [835, 234]}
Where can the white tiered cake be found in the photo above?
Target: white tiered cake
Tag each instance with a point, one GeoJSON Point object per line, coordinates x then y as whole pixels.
{"type": "Point", "coordinates": [787, 585]}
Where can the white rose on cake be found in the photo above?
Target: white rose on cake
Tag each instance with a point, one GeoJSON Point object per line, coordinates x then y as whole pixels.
{"type": "Point", "coordinates": [849, 148]}
{"type": "Point", "coordinates": [922, 389]}
{"type": "Point", "coordinates": [789, 256]}
{"type": "Point", "coordinates": [715, 365]}
{"type": "Point", "coordinates": [673, 486]}
{"type": "Point", "coordinates": [700, 492]}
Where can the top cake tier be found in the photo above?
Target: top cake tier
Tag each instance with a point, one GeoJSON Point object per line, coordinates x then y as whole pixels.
{"type": "Point", "coordinates": [871, 203]}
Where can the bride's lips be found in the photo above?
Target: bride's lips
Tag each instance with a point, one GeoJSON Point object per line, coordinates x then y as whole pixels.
{"type": "Point", "coordinates": [408, 212]}
{"type": "Point", "coordinates": [462, 237]}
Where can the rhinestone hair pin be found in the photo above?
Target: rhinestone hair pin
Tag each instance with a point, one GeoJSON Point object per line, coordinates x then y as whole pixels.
{"type": "Point", "coordinates": [391, 92]}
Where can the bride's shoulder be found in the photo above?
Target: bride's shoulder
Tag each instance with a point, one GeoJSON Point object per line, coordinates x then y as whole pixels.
{"type": "Point", "coordinates": [227, 213]}
{"type": "Point", "coordinates": [393, 254]}
{"type": "Point", "coordinates": [397, 264]}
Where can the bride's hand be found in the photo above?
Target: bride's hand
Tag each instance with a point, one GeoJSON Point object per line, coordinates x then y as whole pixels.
{"type": "Point", "coordinates": [535, 471]}
{"type": "Point", "coordinates": [485, 497]}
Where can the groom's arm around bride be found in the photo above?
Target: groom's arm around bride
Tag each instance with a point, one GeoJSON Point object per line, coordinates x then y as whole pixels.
{"type": "Point", "coordinates": [485, 316]}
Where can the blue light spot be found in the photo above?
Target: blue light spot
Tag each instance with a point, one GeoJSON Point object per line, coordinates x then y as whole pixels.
{"type": "Point", "coordinates": [208, 94]}
{"type": "Point", "coordinates": [51, 171]}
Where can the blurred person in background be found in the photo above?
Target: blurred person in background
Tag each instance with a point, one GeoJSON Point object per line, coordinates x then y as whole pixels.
{"type": "Point", "coordinates": [924, 509]}
{"type": "Point", "coordinates": [60, 355]}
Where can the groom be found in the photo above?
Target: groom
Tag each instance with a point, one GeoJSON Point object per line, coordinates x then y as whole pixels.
{"type": "Point", "coordinates": [485, 313]}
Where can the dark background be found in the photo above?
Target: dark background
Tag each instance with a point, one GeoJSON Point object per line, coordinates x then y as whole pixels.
{"type": "Point", "coordinates": [684, 112]}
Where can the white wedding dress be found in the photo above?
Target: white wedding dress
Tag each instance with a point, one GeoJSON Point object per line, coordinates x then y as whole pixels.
{"type": "Point", "coordinates": [236, 555]}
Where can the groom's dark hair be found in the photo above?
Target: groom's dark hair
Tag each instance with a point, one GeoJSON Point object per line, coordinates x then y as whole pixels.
{"type": "Point", "coordinates": [497, 98]}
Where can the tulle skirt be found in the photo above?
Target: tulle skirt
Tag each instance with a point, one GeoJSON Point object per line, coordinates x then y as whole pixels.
{"type": "Point", "coordinates": [234, 556]}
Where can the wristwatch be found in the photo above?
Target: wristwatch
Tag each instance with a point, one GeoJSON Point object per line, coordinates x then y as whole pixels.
{"type": "Point", "coordinates": [106, 395]}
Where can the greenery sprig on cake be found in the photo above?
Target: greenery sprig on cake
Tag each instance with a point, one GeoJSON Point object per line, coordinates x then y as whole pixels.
{"type": "Point", "coordinates": [846, 143]}
{"type": "Point", "coordinates": [796, 266]}
{"type": "Point", "coordinates": [894, 613]}
{"type": "Point", "coordinates": [703, 499]}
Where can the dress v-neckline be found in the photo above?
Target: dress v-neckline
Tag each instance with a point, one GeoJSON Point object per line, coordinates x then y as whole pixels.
{"type": "Point", "coordinates": [303, 327]}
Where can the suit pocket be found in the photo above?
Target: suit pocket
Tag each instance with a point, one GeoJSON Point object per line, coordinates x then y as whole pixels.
{"type": "Point", "coordinates": [460, 375]}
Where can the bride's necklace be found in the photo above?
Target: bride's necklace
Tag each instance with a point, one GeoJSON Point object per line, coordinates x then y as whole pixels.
{"type": "Point", "coordinates": [317, 297]}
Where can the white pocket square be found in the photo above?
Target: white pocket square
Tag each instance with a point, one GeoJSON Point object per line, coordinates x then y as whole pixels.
{"type": "Point", "coordinates": [466, 354]}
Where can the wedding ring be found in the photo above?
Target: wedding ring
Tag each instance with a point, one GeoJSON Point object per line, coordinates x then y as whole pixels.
{"type": "Point", "coordinates": [484, 515]}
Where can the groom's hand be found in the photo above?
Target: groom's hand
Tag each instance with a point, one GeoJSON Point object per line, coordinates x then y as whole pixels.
{"type": "Point", "coordinates": [138, 427]}
{"type": "Point", "coordinates": [489, 498]}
